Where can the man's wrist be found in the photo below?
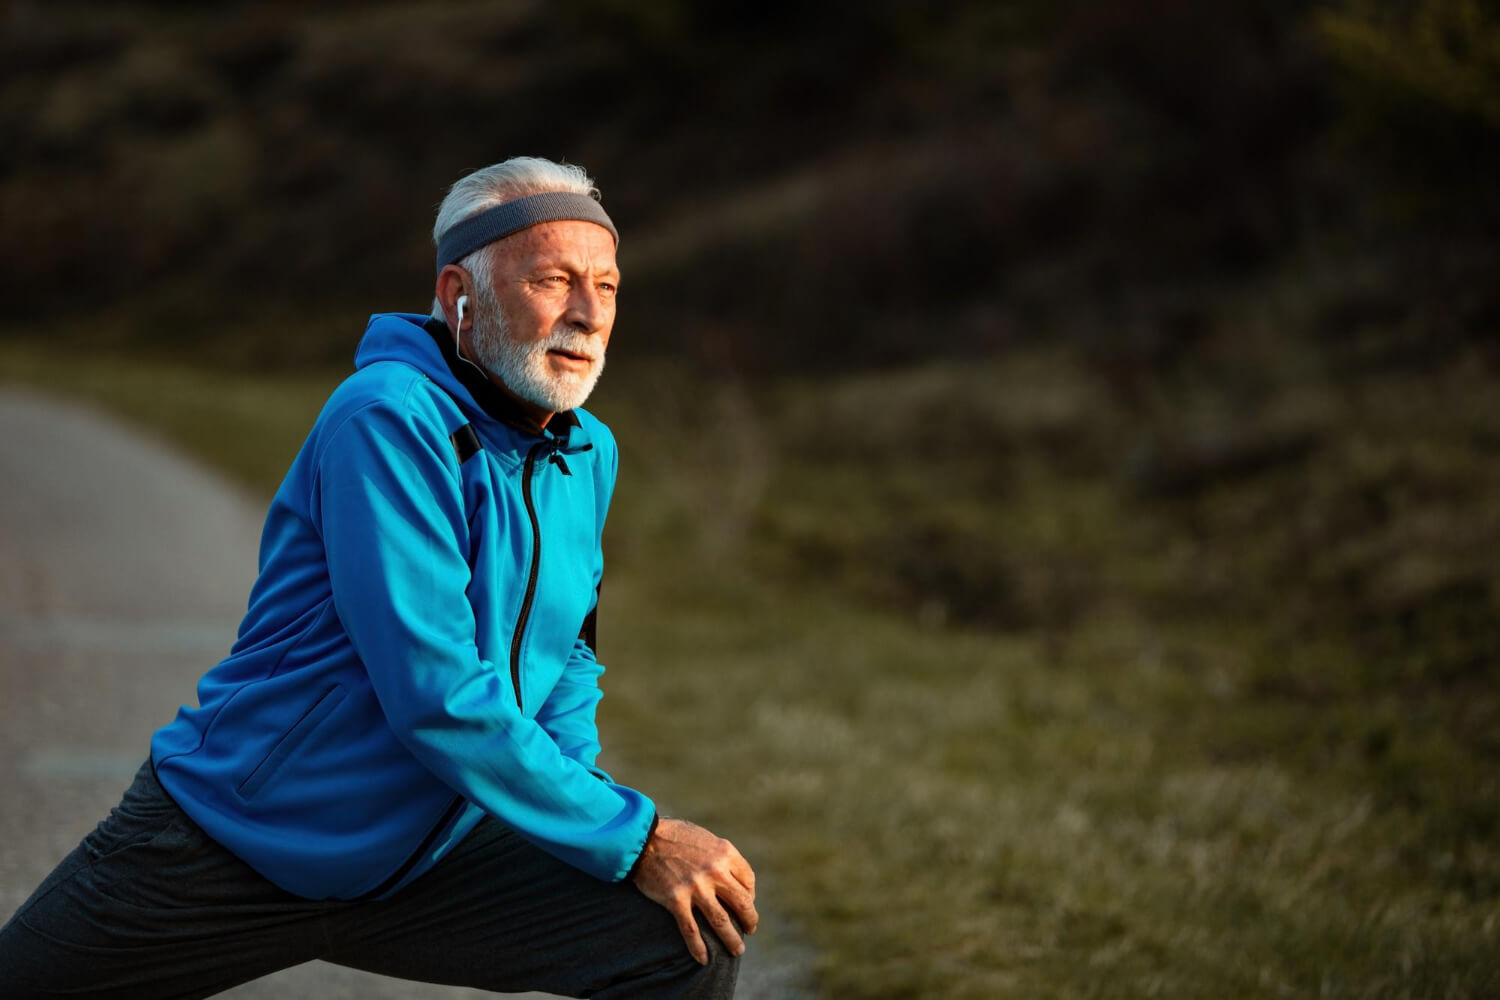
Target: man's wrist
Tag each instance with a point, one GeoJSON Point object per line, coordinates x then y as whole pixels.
{"type": "Point", "coordinates": [645, 844]}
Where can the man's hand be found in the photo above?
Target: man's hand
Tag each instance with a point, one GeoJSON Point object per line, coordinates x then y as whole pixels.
{"type": "Point", "coordinates": [684, 867]}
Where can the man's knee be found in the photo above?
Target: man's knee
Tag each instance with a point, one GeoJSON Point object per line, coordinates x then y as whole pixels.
{"type": "Point", "coordinates": [716, 978]}
{"type": "Point", "coordinates": [681, 975]}
{"type": "Point", "coordinates": [722, 970]}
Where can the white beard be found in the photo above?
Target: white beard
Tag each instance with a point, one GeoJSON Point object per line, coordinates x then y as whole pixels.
{"type": "Point", "coordinates": [523, 367]}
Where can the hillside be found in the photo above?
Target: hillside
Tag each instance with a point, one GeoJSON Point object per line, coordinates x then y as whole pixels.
{"type": "Point", "coordinates": [890, 183]}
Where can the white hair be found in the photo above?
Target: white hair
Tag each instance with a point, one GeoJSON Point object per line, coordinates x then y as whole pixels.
{"type": "Point", "coordinates": [494, 185]}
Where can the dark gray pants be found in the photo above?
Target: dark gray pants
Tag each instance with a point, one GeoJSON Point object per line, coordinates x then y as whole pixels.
{"type": "Point", "coordinates": [149, 906]}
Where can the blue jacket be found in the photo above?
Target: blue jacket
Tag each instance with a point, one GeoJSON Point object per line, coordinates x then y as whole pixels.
{"type": "Point", "coordinates": [415, 651]}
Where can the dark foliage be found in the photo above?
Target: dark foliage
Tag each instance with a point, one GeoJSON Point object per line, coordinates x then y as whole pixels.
{"type": "Point", "coordinates": [819, 190]}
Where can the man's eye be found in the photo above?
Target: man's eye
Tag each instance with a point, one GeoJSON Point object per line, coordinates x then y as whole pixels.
{"type": "Point", "coordinates": [556, 279]}
{"type": "Point", "coordinates": [606, 288]}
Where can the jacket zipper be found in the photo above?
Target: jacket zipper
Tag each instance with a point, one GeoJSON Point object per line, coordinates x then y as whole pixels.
{"type": "Point", "coordinates": [515, 664]}
{"type": "Point", "coordinates": [416, 855]}
{"type": "Point", "coordinates": [536, 565]}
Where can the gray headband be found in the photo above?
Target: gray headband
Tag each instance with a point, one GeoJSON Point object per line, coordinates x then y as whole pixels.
{"type": "Point", "coordinates": [499, 222]}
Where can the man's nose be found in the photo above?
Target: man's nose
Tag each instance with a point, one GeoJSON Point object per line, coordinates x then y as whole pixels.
{"type": "Point", "coordinates": [587, 309]}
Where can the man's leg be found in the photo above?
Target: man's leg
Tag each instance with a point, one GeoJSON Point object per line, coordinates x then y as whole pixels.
{"type": "Point", "coordinates": [148, 906]}
{"type": "Point", "coordinates": [501, 914]}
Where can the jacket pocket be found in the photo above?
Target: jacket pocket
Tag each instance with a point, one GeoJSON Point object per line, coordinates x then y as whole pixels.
{"type": "Point", "coordinates": [294, 738]}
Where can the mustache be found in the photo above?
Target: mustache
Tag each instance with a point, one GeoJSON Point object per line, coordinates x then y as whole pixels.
{"type": "Point", "coordinates": [574, 343]}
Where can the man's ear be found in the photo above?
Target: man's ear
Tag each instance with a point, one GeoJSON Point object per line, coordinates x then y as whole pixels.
{"type": "Point", "coordinates": [452, 289]}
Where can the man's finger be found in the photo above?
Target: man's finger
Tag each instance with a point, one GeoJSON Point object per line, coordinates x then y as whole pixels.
{"type": "Point", "coordinates": [742, 872]}
{"type": "Point", "coordinates": [721, 924]}
{"type": "Point", "coordinates": [745, 913]}
{"type": "Point", "coordinates": [742, 902]}
{"type": "Point", "coordinates": [687, 926]}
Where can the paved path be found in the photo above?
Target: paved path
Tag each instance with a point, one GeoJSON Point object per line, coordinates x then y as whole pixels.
{"type": "Point", "coordinates": [124, 570]}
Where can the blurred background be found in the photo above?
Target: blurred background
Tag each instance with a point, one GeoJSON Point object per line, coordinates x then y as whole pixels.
{"type": "Point", "coordinates": [1060, 485]}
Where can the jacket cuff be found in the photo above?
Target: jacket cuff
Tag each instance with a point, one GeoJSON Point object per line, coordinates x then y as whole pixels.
{"type": "Point", "coordinates": [655, 820]}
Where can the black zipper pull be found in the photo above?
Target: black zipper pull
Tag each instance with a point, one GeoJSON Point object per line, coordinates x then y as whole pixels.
{"type": "Point", "coordinates": [557, 460]}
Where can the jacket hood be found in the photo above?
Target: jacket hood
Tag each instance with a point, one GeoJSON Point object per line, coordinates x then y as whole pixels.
{"type": "Point", "coordinates": [404, 337]}
{"type": "Point", "coordinates": [426, 344]}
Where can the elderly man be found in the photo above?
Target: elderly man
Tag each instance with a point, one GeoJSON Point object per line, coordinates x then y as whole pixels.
{"type": "Point", "coordinates": [394, 769]}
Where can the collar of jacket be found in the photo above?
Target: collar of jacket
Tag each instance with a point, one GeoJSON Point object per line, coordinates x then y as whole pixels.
{"type": "Point", "coordinates": [500, 406]}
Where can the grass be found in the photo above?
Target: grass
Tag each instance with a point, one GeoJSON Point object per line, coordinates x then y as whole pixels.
{"type": "Point", "coordinates": [247, 427]}
{"type": "Point", "coordinates": [1016, 691]}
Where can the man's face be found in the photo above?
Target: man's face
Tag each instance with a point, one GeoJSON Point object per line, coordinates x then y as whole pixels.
{"type": "Point", "coordinates": [543, 325]}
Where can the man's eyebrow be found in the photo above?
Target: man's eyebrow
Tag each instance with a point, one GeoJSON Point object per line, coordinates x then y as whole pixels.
{"type": "Point", "coordinates": [612, 271]}
{"type": "Point", "coordinates": [566, 262]}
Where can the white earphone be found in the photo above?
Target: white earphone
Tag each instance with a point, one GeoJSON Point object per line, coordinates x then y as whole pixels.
{"type": "Point", "coordinates": [458, 345]}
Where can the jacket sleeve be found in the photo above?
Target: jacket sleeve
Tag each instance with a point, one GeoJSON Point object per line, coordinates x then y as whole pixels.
{"type": "Point", "coordinates": [392, 520]}
{"type": "Point", "coordinates": [568, 714]}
